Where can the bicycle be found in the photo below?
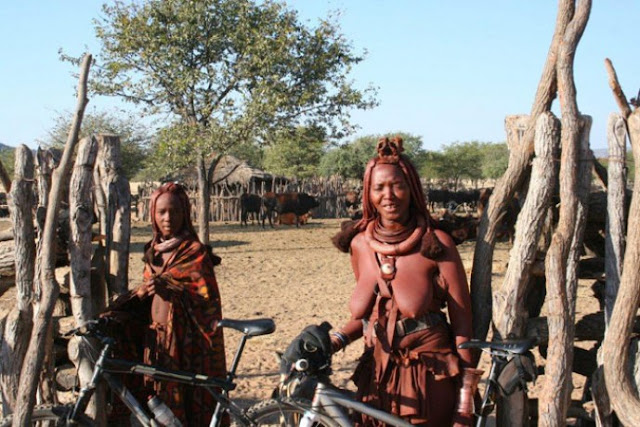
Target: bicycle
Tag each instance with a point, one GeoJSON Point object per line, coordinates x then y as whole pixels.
{"type": "Point", "coordinates": [511, 368]}
{"type": "Point", "coordinates": [106, 366]}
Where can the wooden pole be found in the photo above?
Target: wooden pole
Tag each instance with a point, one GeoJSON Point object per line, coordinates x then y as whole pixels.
{"type": "Point", "coordinates": [16, 327]}
{"type": "Point", "coordinates": [83, 299]}
{"type": "Point", "coordinates": [614, 239]}
{"type": "Point", "coordinates": [554, 398]}
{"type": "Point", "coordinates": [35, 354]}
{"type": "Point", "coordinates": [615, 226]}
{"type": "Point", "coordinates": [118, 216]}
{"type": "Point", "coordinates": [616, 341]}
{"type": "Point", "coordinates": [618, 94]}
{"type": "Point", "coordinates": [508, 184]}
{"type": "Point", "coordinates": [510, 315]}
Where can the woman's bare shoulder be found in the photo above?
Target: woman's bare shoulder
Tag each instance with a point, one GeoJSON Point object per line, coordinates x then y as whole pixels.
{"type": "Point", "coordinates": [445, 238]}
{"type": "Point", "coordinates": [358, 243]}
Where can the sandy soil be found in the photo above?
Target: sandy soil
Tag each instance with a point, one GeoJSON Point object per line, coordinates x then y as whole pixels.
{"type": "Point", "coordinates": [295, 276]}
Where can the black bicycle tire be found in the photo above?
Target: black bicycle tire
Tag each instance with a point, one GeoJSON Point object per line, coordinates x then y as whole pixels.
{"type": "Point", "coordinates": [50, 413]}
{"type": "Point", "coordinates": [261, 410]}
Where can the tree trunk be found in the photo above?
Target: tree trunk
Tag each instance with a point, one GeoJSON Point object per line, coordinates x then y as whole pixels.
{"type": "Point", "coordinates": [19, 321]}
{"type": "Point", "coordinates": [83, 300]}
{"type": "Point", "coordinates": [510, 315]}
{"type": "Point", "coordinates": [118, 217]}
{"type": "Point", "coordinates": [511, 181]}
{"type": "Point", "coordinates": [35, 354]}
{"type": "Point", "coordinates": [554, 398]}
{"type": "Point", "coordinates": [203, 202]}
{"type": "Point", "coordinates": [616, 342]}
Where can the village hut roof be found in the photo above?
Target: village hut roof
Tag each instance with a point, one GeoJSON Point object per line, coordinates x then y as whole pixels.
{"type": "Point", "coordinates": [235, 171]}
{"type": "Point", "coordinates": [230, 171]}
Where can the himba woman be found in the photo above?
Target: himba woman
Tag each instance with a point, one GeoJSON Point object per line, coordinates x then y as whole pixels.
{"type": "Point", "coordinates": [406, 271]}
{"type": "Point", "coordinates": [174, 312]}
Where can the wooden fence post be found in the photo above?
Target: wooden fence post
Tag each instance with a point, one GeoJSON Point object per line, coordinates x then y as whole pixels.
{"type": "Point", "coordinates": [16, 327]}
{"type": "Point", "coordinates": [50, 289]}
{"type": "Point", "coordinates": [118, 216]}
{"type": "Point", "coordinates": [511, 180]}
{"type": "Point", "coordinates": [83, 300]}
{"type": "Point", "coordinates": [616, 340]}
{"type": "Point", "coordinates": [614, 250]}
{"type": "Point", "coordinates": [555, 395]}
{"type": "Point", "coordinates": [510, 314]}
{"type": "Point", "coordinates": [615, 226]}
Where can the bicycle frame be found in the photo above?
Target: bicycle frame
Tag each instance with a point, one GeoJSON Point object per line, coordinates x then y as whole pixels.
{"type": "Point", "coordinates": [106, 367]}
{"type": "Point", "coordinates": [332, 400]}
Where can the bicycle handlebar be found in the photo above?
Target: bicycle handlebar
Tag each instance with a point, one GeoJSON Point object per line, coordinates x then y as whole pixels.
{"type": "Point", "coordinates": [92, 328]}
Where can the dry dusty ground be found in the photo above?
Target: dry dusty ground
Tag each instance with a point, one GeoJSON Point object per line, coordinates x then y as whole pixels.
{"type": "Point", "coordinates": [296, 277]}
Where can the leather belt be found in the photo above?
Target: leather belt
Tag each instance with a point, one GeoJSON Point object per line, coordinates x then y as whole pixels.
{"type": "Point", "coordinates": [409, 325]}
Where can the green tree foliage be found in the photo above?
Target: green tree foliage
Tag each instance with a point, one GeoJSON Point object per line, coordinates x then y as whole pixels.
{"type": "Point", "coordinates": [458, 160]}
{"type": "Point", "coordinates": [8, 159]}
{"type": "Point", "coordinates": [253, 154]}
{"type": "Point", "coordinates": [235, 71]}
{"type": "Point", "coordinates": [495, 159]}
{"type": "Point", "coordinates": [134, 137]}
{"type": "Point", "coordinates": [295, 154]}
{"type": "Point", "coordinates": [349, 160]}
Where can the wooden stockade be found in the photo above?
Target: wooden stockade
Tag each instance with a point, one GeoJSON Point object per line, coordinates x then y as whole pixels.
{"type": "Point", "coordinates": [225, 196]}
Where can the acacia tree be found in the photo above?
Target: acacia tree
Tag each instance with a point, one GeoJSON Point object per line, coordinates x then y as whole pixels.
{"type": "Point", "coordinates": [228, 72]}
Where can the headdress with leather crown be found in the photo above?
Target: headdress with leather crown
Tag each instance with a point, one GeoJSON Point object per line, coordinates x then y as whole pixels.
{"type": "Point", "coordinates": [389, 151]}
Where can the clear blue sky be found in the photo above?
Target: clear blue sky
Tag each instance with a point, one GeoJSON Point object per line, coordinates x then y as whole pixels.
{"type": "Point", "coordinates": [446, 71]}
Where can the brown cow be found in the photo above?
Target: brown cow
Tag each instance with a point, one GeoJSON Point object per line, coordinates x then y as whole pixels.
{"type": "Point", "coordinates": [290, 219]}
{"type": "Point", "coordinates": [296, 203]}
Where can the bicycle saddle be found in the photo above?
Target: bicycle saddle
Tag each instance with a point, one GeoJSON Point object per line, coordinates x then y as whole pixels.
{"type": "Point", "coordinates": [251, 328]}
{"type": "Point", "coordinates": [511, 346]}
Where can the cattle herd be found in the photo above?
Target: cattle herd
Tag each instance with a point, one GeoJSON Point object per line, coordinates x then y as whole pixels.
{"type": "Point", "coordinates": [286, 208]}
{"type": "Point", "coordinates": [456, 212]}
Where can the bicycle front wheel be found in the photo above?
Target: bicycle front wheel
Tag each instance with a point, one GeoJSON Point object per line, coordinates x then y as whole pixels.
{"type": "Point", "coordinates": [286, 413]}
{"type": "Point", "coordinates": [58, 414]}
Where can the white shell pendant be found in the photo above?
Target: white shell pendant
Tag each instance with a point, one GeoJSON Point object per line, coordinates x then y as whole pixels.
{"type": "Point", "coordinates": [387, 269]}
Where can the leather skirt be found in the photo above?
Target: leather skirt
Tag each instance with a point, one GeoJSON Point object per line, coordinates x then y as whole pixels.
{"type": "Point", "coordinates": [419, 382]}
